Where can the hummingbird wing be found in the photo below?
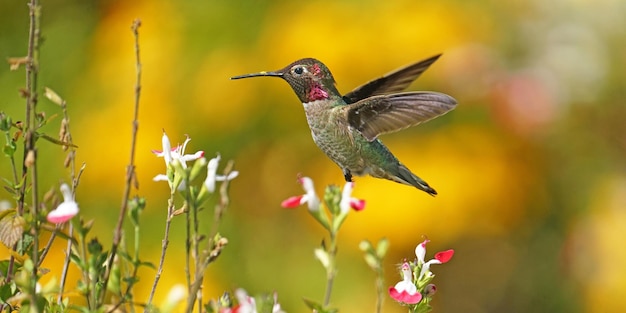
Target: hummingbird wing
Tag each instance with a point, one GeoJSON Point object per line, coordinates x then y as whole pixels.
{"type": "Point", "coordinates": [389, 113]}
{"type": "Point", "coordinates": [395, 81]}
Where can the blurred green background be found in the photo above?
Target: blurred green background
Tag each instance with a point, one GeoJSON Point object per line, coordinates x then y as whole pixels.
{"type": "Point", "coordinates": [529, 168]}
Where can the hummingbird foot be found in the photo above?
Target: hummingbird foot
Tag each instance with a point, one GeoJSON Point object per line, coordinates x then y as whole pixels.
{"type": "Point", "coordinates": [347, 175]}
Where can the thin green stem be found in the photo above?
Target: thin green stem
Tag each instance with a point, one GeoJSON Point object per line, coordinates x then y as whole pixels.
{"type": "Point", "coordinates": [195, 242]}
{"type": "Point", "coordinates": [164, 244]}
{"type": "Point", "coordinates": [74, 177]}
{"type": "Point", "coordinates": [8, 139]}
{"type": "Point", "coordinates": [30, 151]}
{"type": "Point", "coordinates": [380, 290]}
{"type": "Point", "coordinates": [130, 169]}
{"type": "Point", "coordinates": [9, 274]}
{"type": "Point", "coordinates": [188, 249]}
{"type": "Point", "coordinates": [331, 270]}
{"type": "Point", "coordinates": [66, 264]}
{"type": "Point", "coordinates": [130, 285]}
{"type": "Point", "coordinates": [127, 295]}
{"type": "Point", "coordinates": [213, 249]}
{"type": "Point", "coordinates": [85, 269]}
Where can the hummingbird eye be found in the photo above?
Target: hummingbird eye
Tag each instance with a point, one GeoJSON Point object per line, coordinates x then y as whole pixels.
{"type": "Point", "coordinates": [298, 70]}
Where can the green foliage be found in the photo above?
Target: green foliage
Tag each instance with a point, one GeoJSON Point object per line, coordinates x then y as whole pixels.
{"type": "Point", "coordinates": [318, 307]}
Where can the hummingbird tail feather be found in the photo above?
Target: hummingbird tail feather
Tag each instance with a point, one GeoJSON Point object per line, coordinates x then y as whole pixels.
{"type": "Point", "coordinates": [405, 176]}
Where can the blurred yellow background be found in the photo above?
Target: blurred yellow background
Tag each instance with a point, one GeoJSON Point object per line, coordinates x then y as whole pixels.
{"type": "Point", "coordinates": [529, 168]}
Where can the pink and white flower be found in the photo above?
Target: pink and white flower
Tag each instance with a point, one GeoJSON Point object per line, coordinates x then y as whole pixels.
{"type": "Point", "coordinates": [176, 154]}
{"type": "Point", "coordinates": [348, 202]}
{"type": "Point", "coordinates": [247, 304]}
{"type": "Point", "coordinates": [413, 288]}
{"type": "Point", "coordinates": [310, 197]}
{"type": "Point", "coordinates": [66, 210]}
{"type": "Point", "coordinates": [440, 258]}
{"type": "Point", "coordinates": [405, 291]}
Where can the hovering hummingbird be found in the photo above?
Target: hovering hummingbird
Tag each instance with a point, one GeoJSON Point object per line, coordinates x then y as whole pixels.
{"type": "Point", "coordinates": [346, 127]}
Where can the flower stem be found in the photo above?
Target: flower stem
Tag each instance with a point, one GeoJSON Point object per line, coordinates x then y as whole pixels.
{"type": "Point", "coordinates": [130, 170]}
{"type": "Point", "coordinates": [30, 151]}
{"type": "Point", "coordinates": [188, 249]}
{"type": "Point", "coordinates": [331, 270]}
{"type": "Point", "coordinates": [380, 290]}
{"type": "Point", "coordinates": [164, 244]}
{"type": "Point", "coordinates": [66, 264]}
{"type": "Point", "coordinates": [196, 244]}
{"type": "Point", "coordinates": [213, 247]}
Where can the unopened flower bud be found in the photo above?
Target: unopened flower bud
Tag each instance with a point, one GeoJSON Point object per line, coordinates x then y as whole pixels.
{"type": "Point", "coordinates": [30, 158]}
{"type": "Point", "coordinates": [430, 290]}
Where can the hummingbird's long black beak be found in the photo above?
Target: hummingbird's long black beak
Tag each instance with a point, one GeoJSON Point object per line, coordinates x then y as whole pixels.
{"type": "Point", "coordinates": [276, 74]}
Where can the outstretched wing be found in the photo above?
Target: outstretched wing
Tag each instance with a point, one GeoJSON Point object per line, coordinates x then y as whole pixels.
{"type": "Point", "coordinates": [389, 113]}
{"type": "Point", "coordinates": [395, 81]}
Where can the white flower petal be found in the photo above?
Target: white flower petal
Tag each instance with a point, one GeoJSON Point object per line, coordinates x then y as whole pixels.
{"type": "Point", "coordinates": [167, 149]}
{"type": "Point", "coordinates": [311, 196]}
{"type": "Point", "coordinates": [160, 177]}
{"type": "Point", "coordinates": [232, 175]}
{"type": "Point", "coordinates": [63, 213]}
{"type": "Point", "coordinates": [246, 303]}
{"type": "Point", "coordinates": [420, 251]}
{"type": "Point", "coordinates": [344, 205]}
{"type": "Point", "coordinates": [407, 286]}
{"type": "Point", "coordinates": [211, 176]}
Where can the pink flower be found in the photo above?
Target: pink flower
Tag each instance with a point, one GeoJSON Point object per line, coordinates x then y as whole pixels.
{"type": "Point", "coordinates": [348, 202]}
{"type": "Point", "coordinates": [66, 210]}
{"type": "Point", "coordinates": [405, 291]}
{"type": "Point", "coordinates": [310, 197]}
{"type": "Point", "coordinates": [177, 153]}
{"type": "Point", "coordinates": [246, 303]}
{"type": "Point", "coordinates": [440, 258]}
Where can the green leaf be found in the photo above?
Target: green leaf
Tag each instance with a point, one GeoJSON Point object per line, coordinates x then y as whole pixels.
{"type": "Point", "coordinates": [148, 264]}
{"type": "Point", "coordinates": [317, 307]}
{"type": "Point", "coordinates": [130, 280]}
{"type": "Point", "coordinates": [198, 167]}
{"type": "Point", "coordinates": [83, 228]}
{"type": "Point", "coordinates": [56, 141]}
{"type": "Point", "coordinates": [78, 261]}
{"type": "Point", "coordinates": [8, 290]}
{"type": "Point", "coordinates": [323, 257]}
{"type": "Point", "coordinates": [5, 122]}
{"type": "Point", "coordinates": [24, 244]}
{"type": "Point", "coordinates": [4, 267]}
{"type": "Point", "coordinates": [94, 247]}
{"type": "Point", "coordinates": [372, 261]}
{"type": "Point", "coordinates": [125, 256]}
{"type": "Point", "coordinates": [383, 246]}
{"type": "Point", "coordinates": [101, 261]}
{"type": "Point", "coordinates": [265, 303]}
{"type": "Point", "coordinates": [135, 207]}
{"type": "Point", "coordinates": [366, 246]}
{"type": "Point", "coordinates": [9, 149]}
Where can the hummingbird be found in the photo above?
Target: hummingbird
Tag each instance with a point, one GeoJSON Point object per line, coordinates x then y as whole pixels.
{"type": "Point", "coordinates": [346, 128]}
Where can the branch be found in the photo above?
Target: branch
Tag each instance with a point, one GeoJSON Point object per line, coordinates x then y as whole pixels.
{"type": "Point", "coordinates": [130, 170]}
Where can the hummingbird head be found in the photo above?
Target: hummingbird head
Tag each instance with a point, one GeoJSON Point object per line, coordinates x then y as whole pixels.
{"type": "Point", "coordinates": [309, 78]}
